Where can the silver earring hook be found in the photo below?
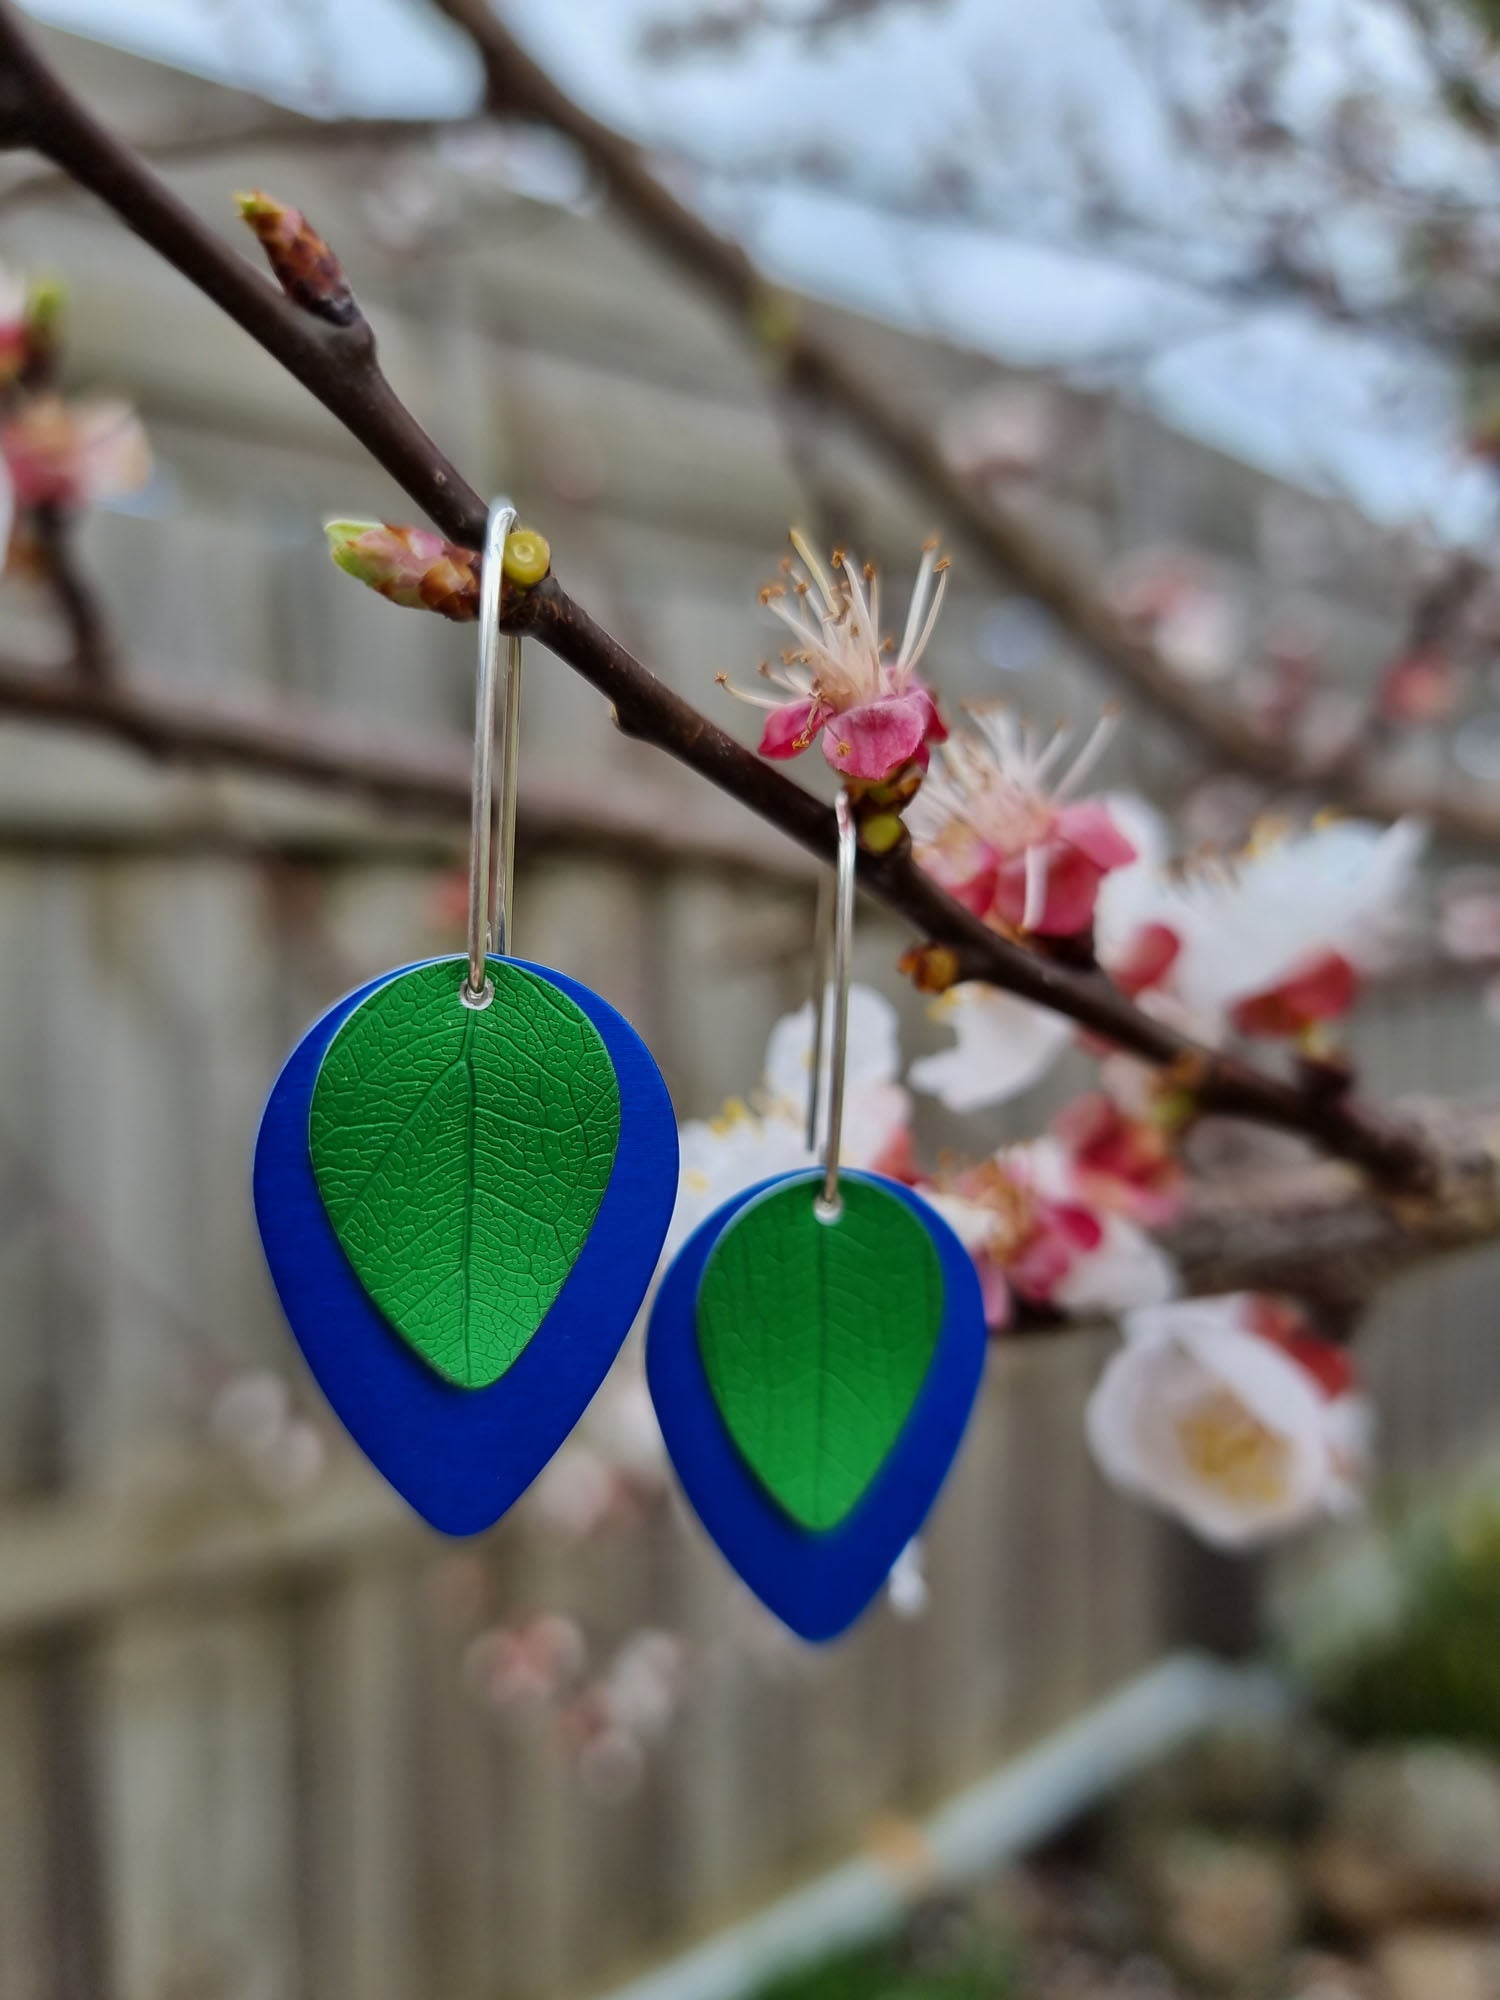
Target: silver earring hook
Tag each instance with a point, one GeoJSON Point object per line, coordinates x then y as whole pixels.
{"type": "Point", "coordinates": [492, 878]}
{"type": "Point", "coordinates": [835, 924]}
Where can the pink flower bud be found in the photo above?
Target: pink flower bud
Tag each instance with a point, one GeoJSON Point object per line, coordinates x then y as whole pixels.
{"type": "Point", "coordinates": [303, 265]}
{"type": "Point", "coordinates": [413, 567]}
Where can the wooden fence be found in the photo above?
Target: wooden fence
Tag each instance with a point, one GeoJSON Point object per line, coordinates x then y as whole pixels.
{"type": "Point", "coordinates": [239, 1755]}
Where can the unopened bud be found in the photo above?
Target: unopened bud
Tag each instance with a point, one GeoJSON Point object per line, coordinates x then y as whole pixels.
{"type": "Point", "coordinates": [881, 832]}
{"type": "Point", "coordinates": [527, 558]}
{"type": "Point", "coordinates": [304, 266]}
{"type": "Point", "coordinates": [46, 302]}
{"type": "Point", "coordinates": [414, 567]}
{"type": "Point", "coordinates": [1186, 1073]}
{"type": "Point", "coordinates": [1171, 1110]}
{"type": "Point", "coordinates": [773, 317]}
{"type": "Point", "coordinates": [931, 968]}
{"type": "Point", "coordinates": [894, 792]}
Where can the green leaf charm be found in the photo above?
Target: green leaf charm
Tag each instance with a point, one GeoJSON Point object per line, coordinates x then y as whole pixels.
{"type": "Point", "coordinates": [462, 1154]}
{"type": "Point", "coordinates": [816, 1338]}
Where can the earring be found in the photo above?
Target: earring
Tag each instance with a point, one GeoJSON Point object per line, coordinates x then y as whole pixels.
{"type": "Point", "coordinates": [463, 1178]}
{"type": "Point", "coordinates": [814, 1353]}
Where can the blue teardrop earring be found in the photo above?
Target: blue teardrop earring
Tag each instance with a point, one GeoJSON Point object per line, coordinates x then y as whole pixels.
{"type": "Point", "coordinates": [463, 1178]}
{"type": "Point", "coordinates": [814, 1353]}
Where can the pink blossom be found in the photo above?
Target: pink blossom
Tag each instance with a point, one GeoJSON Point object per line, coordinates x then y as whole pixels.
{"type": "Point", "coordinates": [995, 829]}
{"type": "Point", "coordinates": [1183, 607]}
{"type": "Point", "coordinates": [1274, 941]}
{"type": "Point", "coordinates": [1120, 1162]}
{"type": "Point", "coordinates": [1085, 845]}
{"type": "Point", "coordinates": [526, 1665]}
{"type": "Point", "coordinates": [72, 454]}
{"type": "Point", "coordinates": [872, 712]}
{"type": "Point", "coordinates": [1022, 1242]}
{"type": "Point", "coordinates": [1321, 987]}
{"type": "Point", "coordinates": [1032, 1232]}
{"type": "Point", "coordinates": [1145, 959]}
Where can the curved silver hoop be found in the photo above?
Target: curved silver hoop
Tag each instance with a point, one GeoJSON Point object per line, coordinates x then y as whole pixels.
{"type": "Point", "coordinates": [835, 926]}
{"type": "Point", "coordinates": [491, 863]}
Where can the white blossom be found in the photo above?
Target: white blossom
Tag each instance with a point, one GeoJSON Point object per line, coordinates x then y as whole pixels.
{"type": "Point", "coordinates": [1247, 924]}
{"type": "Point", "coordinates": [749, 1142]}
{"type": "Point", "coordinates": [1003, 1046]}
{"type": "Point", "coordinates": [1211, 1420]}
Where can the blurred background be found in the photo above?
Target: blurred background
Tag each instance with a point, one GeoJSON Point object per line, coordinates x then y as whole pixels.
{"type": "Point", "coordinates": [1207, 291]}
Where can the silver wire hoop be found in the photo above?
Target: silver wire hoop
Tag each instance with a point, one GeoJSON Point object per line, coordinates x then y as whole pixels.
{"type": "Point", "coordinates": [835, 925]}
{"type": "Point", "coordinates": [491, 874]}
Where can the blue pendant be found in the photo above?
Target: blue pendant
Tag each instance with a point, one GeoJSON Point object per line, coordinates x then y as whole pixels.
{"type": "Point", "coordinates": [761, 1510]}
{"type": "Point", "coordinates": [462, 1455]}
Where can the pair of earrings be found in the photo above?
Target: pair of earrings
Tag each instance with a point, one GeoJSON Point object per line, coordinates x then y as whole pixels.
{"type": "Point", "coordinates": [463, 1179]}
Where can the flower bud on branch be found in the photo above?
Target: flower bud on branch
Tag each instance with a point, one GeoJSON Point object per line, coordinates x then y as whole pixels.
{"type": "Point", "coordinates": [303, 265]}
{"type": "Point", "coordinates": [413, 567]}
{"type": "Point", "coordinates": [46, 307]}
{"type": "Point", "coordinates": [417, 568]}
{"type": "Point", "coordinates": [932, 968]}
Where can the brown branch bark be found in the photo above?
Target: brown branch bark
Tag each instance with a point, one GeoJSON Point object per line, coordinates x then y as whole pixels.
{"type": "Point", "coordinates": [1318, 1232]}
{"type": "Point", "coordinates": [519, 87]}
{"type": "Point", "coordinates": [338, 364]}
{"type": "Point", "coordinates": [432, 783]}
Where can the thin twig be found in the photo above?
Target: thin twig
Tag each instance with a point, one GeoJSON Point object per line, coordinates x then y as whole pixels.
{"type": "Point", "coordinates": [426, 784]}
{"type": "Point", "coordinates": [337, 363]}
{"type": "Point", "coordinates": [91, 644]}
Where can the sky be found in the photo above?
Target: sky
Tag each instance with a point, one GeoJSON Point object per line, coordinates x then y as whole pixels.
{"type": "Point", "coordinates": [1089, 239]}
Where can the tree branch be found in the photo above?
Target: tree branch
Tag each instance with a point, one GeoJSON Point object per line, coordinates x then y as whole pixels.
{"type": "Point", "coordinates": [337, 363]}
{"type": "Point", "coordinates": [1315, 1231]}
{"type": "Point", "coordinates": [519, 87]}
{"type": "Point", "coordinates": [431, 783]}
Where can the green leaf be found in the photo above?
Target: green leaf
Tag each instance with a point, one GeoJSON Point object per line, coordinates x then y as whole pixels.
{"type": "Point", "coordinates": [816, 1338]}
{"type": "Point", "coordinates": [462, 1154]}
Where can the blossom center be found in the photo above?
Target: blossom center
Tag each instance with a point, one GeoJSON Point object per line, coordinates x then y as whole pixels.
{"type": "Point", "coordinates": [1010, 816]}
{"type": "Point", "coordinates": [1231, 1450]}
{"type": "Point", "coordinates": [1012, 1206]}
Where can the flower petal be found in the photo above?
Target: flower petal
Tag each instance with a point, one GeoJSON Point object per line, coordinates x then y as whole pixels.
{"type": "Point", "coordinates": [1266, 1455]}
{"type": "Point", "coordinates": [1072, 891]}
{"type": "Point", "coordinates": [1321, 989]}
{"type": "Point", "coordinates": [1090, 826]}
{"type": "Point", "coordinates": [1127, 1269]}
{"type": "Point", "coordinates": [936, 730]}
{"type": "Point", "coordinates": [875, 739]}
{"type": "Point", "coordinates": [963, 864]}
{"type": "Point", "coordinates": [1146, 960]}
{"type": "Point", "coordinates": [791, 728]}
{"type": "Point", "coordinates": [872, 1052]}
{"type": "Point", "coordinates": [1004, 1046]}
